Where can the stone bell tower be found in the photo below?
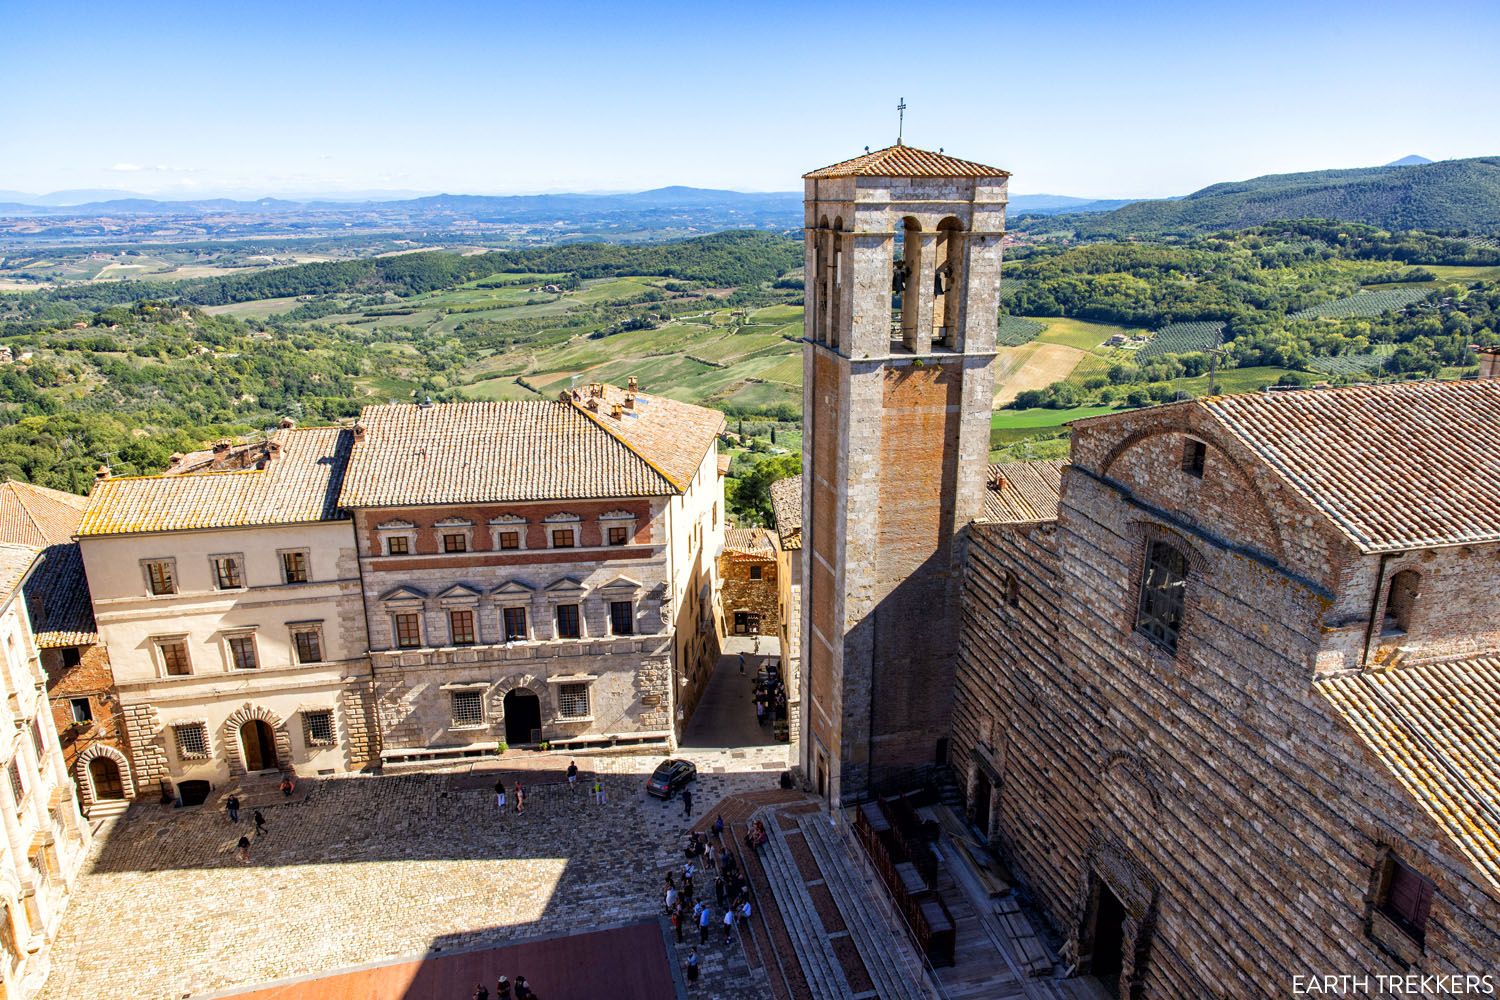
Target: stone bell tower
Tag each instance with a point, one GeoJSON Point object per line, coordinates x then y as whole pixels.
{"type": "Point", "coordinates": [903, 281]}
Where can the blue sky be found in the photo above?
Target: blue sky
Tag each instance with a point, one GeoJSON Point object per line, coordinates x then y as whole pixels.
{"type": "Point", "coordinates": [1092, 99]}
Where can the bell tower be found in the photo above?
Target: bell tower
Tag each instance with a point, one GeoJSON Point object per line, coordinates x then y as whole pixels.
{"type": "Point", "coordinates": [903, 254]}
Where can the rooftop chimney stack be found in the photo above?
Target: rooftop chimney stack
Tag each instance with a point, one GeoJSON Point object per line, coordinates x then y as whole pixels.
{"type": "Point", "coordinates": [616, 411]}
{"type": "Point", "coordinates": [359, 432]}
{"type": "Point", "coordinates": [102, 474]}
{"type": "Point", "coordinates": [286, 423]}
{"type": "Point", "coordinates": [999, 482]}
{"type": "Point", "coordinates": [632, 383]}
{"type": "Point", "coordinates": [221, 447]}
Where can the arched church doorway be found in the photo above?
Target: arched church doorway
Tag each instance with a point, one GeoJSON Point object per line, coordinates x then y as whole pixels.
{"type": "Point", "coordinates": [260, 745]}
{"type": "Point", "coordinates": [104, 775]}
{"type": "Point", "coordinates": [523, 717]}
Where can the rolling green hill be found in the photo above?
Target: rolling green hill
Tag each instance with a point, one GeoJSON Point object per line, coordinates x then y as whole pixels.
{"type": "Point", "coordinates": [1446, 196]}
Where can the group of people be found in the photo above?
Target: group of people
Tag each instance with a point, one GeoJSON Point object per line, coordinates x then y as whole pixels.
{"type": "Point", "coordinates": [504, 991]}
{"type": "Point", "coordinates": [518, 791]}
{"type": "Point", "coordinates": [242, 848]}
{"type": "Point", "coordinates": [731, 892]}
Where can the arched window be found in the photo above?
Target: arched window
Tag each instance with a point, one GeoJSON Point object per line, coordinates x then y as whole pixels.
{"type": "Point", "coordinates": [1400, 599]}
{"type": "Point", "coordinates": [835, 280]}
{"type": "Point", "coordinates": [947, 282]}
{"type": "Point", "coordinates": [906, 277]}
{"type": "Point", "coordinates": [1162, 588]}
{"type": "Point", "coordinates": [819, 282]}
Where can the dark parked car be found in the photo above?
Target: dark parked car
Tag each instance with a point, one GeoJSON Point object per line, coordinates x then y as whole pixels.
{"type": "Point", "coordinates": [669, 776]}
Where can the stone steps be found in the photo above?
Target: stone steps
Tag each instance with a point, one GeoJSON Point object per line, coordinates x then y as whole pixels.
{"type": "Point", "coordinates": [888, 953]}
{"type": "Point", "coordinates": [824, 973]}
{"type": "Point", "coordinates": [778, 952]}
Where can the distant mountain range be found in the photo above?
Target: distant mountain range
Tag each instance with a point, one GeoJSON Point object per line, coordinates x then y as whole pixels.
{"type": "Point", "coordinates": [1447, 195]}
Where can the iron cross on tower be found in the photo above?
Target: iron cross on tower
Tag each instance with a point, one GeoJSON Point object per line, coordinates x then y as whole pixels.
{"type": "Point", "coordinates": [900, 119]}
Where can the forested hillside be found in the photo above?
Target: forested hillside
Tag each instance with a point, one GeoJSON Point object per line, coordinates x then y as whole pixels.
{"type": "Point", "coordinates": [1450, 196]}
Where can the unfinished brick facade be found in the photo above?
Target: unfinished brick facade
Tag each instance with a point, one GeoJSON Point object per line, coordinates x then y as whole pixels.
{"type": "Point", "coordinates": [896, 429]}
{"type": "Point", "coordinates": [749, 580]}
{"type": "Point", "coordinates": [1231, 797]}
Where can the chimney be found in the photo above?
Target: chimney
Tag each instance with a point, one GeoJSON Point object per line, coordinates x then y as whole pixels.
{"type": "Point", "coordinates": [632, 383]}
{"type": "Point", "coordinates": [221, 448]}
{"type": "Point", "coordinates": [616, 411]}
{"type": "Point", "coordinates": [359, 432]}
{"type": "Point", "coordinates": [630, 400]}
{"type": "Point", "coordinates": [1489, 361]}
{"type": "Point", "coordinates": [593, 404]}
{"type": "Point", "coordinates": [998, 482]}
{"type": "Point", "coordinates": [177, 456]}
{"type": "Point", "coordinates": [273, 448]}
{"type": "Point", "coordinates": [102, 474]}
{"type": "Point", "coordinates": [286, 423]}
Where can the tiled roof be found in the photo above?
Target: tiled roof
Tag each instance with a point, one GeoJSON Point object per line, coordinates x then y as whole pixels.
{"type": "Point", "coordinates": [36, 515]}
{"type": "Point", "coordinates": [1028, 492]}
{"type": "Point", "coordinates": [300, 484]}
{"type": "Point", "coordinates": [15, 560]}
{"type": "Point", "coordinates": [751, 543]}
{"type": "Point", "coordinates": [1437, 729]}
{"type": "Point", "coordinates": [906, 161]}
{"type": "Point", "coordinates": [58, 596]}
{"type": "Point", "coordinates": [1392, 466]}
{"type": "Point", "coordinates": [786, 507]}
{"type": "Point", "coordinates": [529, 450]}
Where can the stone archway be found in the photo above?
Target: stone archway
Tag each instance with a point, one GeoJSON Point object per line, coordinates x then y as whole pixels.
{"type": "Point", "coordinates": [523, 716]}
{"type": "Point", "coordinates": [102, 761]}
{"type": "Point", "coordinates": [260, 741]}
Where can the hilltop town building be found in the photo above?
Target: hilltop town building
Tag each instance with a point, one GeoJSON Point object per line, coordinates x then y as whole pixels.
{"type": "Point", "coordinates": [748, 582]}
{"type": "Point", "coordinates": [80, 683]}
{"type": "Point", "coordinates": [537, 571]}
{"type": "Point", "coordinates": [903, 252]}
{"type": "Point", "coordinates": [786, 509]}
{"type": "Point", "coordinates": [43, 839]}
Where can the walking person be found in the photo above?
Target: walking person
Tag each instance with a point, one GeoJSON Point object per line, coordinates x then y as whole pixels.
{"type": "Point", "coordinates": [242, 849]}
{"type": "Point", "coordinates": [742, 664]}
{"type": "Point", "coordinates": [233, 805]}
{"type": "Point", "coordinates": [687, 801]}
{"type": "Point", "coordinates": [705, 919]}
{"type": "Point", "coordinates": [671, 900]}
{"type": "Point", "coordinates": [572, 774]}
{"type": "Point", "coordinates": [260, 824]}
{"type": "Point", "coordinates": [676, 919]}
{"type": "Point", "coordinates": [728, 925]}
{"type": "Point", "coordinates": [692, 967]}
{"type": "Point", "coordinates": [500, 795]}
{"type": "Point", "coordinates": [520, 806]}
{"type": "Point", "coordinates": [719, 827]}
{"type": "Point", "coordinates": [719, 889]}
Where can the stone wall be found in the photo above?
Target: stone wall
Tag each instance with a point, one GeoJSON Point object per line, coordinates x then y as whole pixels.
{"type": "Point", "coordinates": [1212, 791]}
{"type": "Point", "coordinates": [93, 679]}
{"type": "Point", "coordinates": [741, 593]}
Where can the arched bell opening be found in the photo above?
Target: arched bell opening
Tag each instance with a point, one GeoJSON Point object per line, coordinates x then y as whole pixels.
{"type": "Point", "coordinates": [906, 276]}
{"type": "Point", "coordinates": [947, 283]}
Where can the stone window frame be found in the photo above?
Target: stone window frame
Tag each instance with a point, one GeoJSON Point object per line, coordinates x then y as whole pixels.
{"type": "Point", "coordinates": [505, 633]}
{"type": "Point", "coordinates": [621, 590]}
{"type": "Point", "coordinates": [178, 746]}
{"type": "Point", "coordinates": [511, 595]}
{"type": "Point", "coordinates": [309, 739]}
{"type": "Point", "coordinates": [473, 625]}
{"type": "Point", "coordinates": [1139, 617]}
{"type": "Point", "coordinates": [405, 601]}
{"type": "Point", "coordinates": [87, 713]}
{"type": "Point", "coordinates": [214, 561]}
{"type": "Point", "coordinates": [614, 519]}
{"type": "Point", "coordinates": [567, 590]}
{"type": "Point", "coordinates": [171, 580]}
{"type": "Point", "coordinates": [457, 526]}
{"type": "Point", "coordinates": [18, 787]}
{"type": "Point", "coordinates": [562, 521]}
{"type": "Point", "coordinates": [387, 530]}
{"type": "Point", "coordinates": [159, 658]}
{"type": "Point", "coordinates": [313, 628]}
{"type": "Point", "coordinates": [228, 638]}
{"type": "Point", "coordinates": [502, 523]}
{"type": "Point", "coordinates": [1389, 931]}
{"type": "Point", "coordinates": [560, 683]}
{"type": "Point", "coordinates": [477, 692]}
{"type": "Point", "coordinates": [757, 573]}
{"type": "Point", "coordinates": [1194, 456]}
{"type": "Point", "coordinates": [396, 616]}
{"type": "Point", "coordinates": [281, 562]}
{"type": "Point", "coordinates": [1397, 626]}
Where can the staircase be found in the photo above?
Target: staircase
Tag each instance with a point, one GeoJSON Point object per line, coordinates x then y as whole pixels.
{"type": "Point", "coordinates": [825, 975]}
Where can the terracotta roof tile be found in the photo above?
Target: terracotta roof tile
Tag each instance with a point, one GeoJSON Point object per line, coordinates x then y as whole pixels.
{"type": "Point", "coordinates": [528, 450]}
{"type": "Point", "coordinates": [786, 507]}
{"type": "Point", "coordinates": [15, 561]}
{"type": "Point", "coordinates": [1029, 492]}
{"type": "Point", "coordinates": [36, 515]}
{"type": "Point", "coordinates": [906, 161]}
{"type": "Point", "coordinates": [750, 543]}
{"type": "Point", "coordinates": [1392, 466]}
{"type": "Point", "coordinates": [1436, 728]}
{"type": "Point", "coordinates": [57, 595]}
{"type": "Point", "coordinates": [298, 485]}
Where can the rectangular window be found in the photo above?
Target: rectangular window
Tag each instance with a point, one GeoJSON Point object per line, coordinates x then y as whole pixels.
{"type": "Point", "coordinates": [82, 710]}
{"type": "Point", "coordinates": [562, 538]}
{"type": "Point", "coordinates": [622, 617]}
{"type": "Point", "coordinates": [294, 567]}
{"type": "Point", "coordinates": [408, 629]}
{"type": "Point", "coordinates": [227, 573]}
{"type": "Point", "coordinates": [71, 657]}
{"type": "Point", "coordinates": [573, 701]}
{"type": "Point", "coordinates": [455, 542]}
{"type": "Point", "coordinates": [755, 572]}
{"type": "Point", "coordinates": [468, 708]}
{"type": "Point", "coordinates": [192, 740]}
{"type": "Point", "coordinates": [242, 652]}
{"type": "Point", "coordinates": [510, 539]}
{"type": "Point", "coordinates": [17, 782]}
{"type": "Point", "coordinates": [567, 621]}
{"type": "Point", "coordinates": [515, 624]}
{"type": "Point", "coordinates": [38, 741]}
{"type": "Point", "coordinates": [161, 576]}
{"type": "Point", "coordinates": [1193, 455]}
{"type": "Point", "coordinates": [397, 545]}
{"type": "Point", "coordinates": [1407, 898]}
{"type": "Point", "coordinates": [461, 627]}
{"type": "Point", "coordinates": [307, 644]}
{"type": "Point", "coordinates": [174, 657]}
{"type": "Point", "coordinates": [317, 729]}
{"type": "Point", "coordinates": [619, 536]}
{"type": "Point", "coordinates": [1162, 590]}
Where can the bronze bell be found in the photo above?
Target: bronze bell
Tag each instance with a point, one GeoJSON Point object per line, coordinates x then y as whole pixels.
{"type": "Point", "coordinates": [899, 273]}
